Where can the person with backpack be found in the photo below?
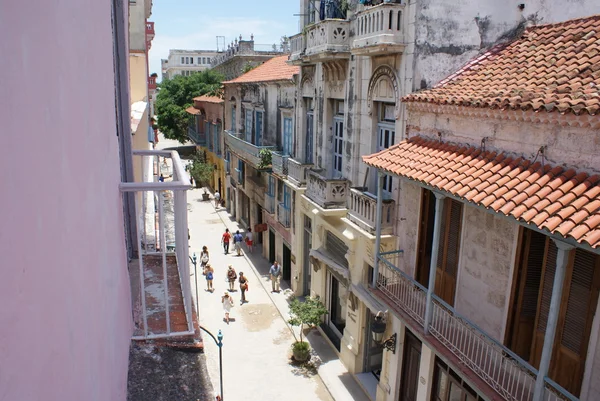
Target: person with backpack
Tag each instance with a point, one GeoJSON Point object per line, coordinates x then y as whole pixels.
{"type": "Point", "coordinates": [209, 272]}
{"type": "Point", "coordinates": [231, 277]}
{"type": "Point", "coordinates": [225, 240]}
{"type": "Point", "coordinates": [237, 242]}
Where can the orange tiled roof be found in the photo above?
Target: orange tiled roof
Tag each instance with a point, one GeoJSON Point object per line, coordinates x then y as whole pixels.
{"type": "Point", "coordinates": [275, 69]}
{"type": "Point", "coordinates": [208, 99]}
{"type": "Point", "coordinates": [559, 200]}
{"type": "Point", "coordinates": [551, 67]}
{"type": "Point", "coordinates": [192, 110]}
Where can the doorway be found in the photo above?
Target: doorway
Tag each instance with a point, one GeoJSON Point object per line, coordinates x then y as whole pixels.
{"type": "Point", "coordinates": [411, 363]}
{"type": "Point", "coordinates": [271, 246]}
{"type": "Point", "coordinates": [335, 319]}
{"type": "Point", "coordinates": [286, 263]}
{"type": "Point", "coordinates": [373, 350]}
{"type": "Point", "coordinates": [306, 270]}
{"type": "Point", "coordinates": [258, 236]}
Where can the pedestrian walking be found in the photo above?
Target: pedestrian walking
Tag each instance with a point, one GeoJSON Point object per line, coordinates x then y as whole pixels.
{"type": "Point", "coordinates": [204, 257]}
{"type": "Point", "coordinates": [243, 287]}
{"type": "Point", "coordinates": [249, 240]}
{"type": "Point", "coordinates": [275, 272]}
{"type": "Point", "coordinates": [231, 277]}
{"type": "Point", "coordinates": [227, 302]}
{"type": "Point", "coordinates": [225, 241]}
{"type": "Point", "coordinates": [237, 242]}
{"type": "Point", "coordinates": [209, 272]}
{"type": "Point", "coordinates": [217, 199]}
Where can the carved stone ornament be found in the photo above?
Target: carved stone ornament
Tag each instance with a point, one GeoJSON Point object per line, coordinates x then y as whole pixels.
{"type": "Point", "coordinates": [316, 264]}
{"type": "Point", "coordinates": [384, 72]}
{"type": "Point", "coordinates": [353, 301]}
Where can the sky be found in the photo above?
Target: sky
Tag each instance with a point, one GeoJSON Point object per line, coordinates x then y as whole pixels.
{"type": "Point", "coordinates": [195, 24]}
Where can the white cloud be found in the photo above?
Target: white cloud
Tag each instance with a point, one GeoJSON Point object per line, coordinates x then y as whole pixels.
{"type": "Point", "coordinates": [265, 32]}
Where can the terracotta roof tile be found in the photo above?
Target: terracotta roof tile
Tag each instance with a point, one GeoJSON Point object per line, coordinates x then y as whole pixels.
{"type": "Point", "coordinates": [551, 67]}
{"type": "Point", "coordinates": [192, 110]}
{"type": "Point", "coordinates": [275, 69]}
{"type": "Point", "coordinates": [208, 99]}
{"type": "Point", "coordinates": [554, 198]}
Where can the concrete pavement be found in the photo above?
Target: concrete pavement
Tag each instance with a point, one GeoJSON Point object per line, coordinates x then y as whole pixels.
{"type": "Point", "coordinates": [256, 350]}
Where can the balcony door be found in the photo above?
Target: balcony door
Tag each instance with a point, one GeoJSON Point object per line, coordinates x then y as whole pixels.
{"type": "Point", "coordinates": [338, 146]}
{"type": "Point", "coordinates": [248, 126]}
{"type": "Point", "coordinates": [411, 364]}
{"type": "Point", "coordinates": [287, 136]}
{"type": "Point", "coordinates": [258, 132]}
{"type": "Point", "coordinates": [386, 137]}
{"type": "Point", "coordinates": [536, 266]}
{"type": "Point", "coordinates": [309, 147]}
{"type": "Point", "coordinates": [448, 247]}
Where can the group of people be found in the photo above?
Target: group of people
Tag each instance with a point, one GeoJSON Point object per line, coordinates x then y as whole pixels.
{"type": "Point", "coordinates": [237, 239]}
{"type": "Point", "coordinates": [231, 277]}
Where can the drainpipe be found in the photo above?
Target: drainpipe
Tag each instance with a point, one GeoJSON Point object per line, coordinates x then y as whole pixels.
{"type": "Point", "coordinates": [562, 258]}
{"type": "Point", "coordinates": [380, 176]}
{"type": "Point", "coordinates": [437, 224]}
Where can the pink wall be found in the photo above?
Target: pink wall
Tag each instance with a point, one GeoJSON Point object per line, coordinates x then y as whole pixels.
{"type": "Point", "coordinates": [65, 321]}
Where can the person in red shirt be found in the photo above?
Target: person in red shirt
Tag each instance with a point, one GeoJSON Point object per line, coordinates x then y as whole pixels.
{"type": "Point", "coordinates": [225, 241]}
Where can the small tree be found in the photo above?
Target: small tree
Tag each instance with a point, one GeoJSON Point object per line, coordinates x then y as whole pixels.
{"type": "Point", "coordinates": [307, 313]}
{"type": "Point", "coordinates": [200, 169]}
{"type": "Point", "coordinates": [266, 159]}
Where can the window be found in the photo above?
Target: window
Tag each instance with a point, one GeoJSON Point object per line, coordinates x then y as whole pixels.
{"type": "Point", "coordinates": [208, 60]}
{"type": "Point", "coordinates": [187, 60]}
{"type": "Point", "coordinates": [258, 128]}
{"type": "Point", "coordinates": [280, 190]}
{"type": "Point", "coordinates": [203, 60]}
{"type": "Point", "coordinates": [217, 145]}
{"type": "Point", "coordinates": [449, 246]}
{"type": "Point", "coordinates": [183, 60]}
{"type": "Point", "coordinates": [336, 248]}
{"type": "Point", "coordinates": [338, 138]}
{"type": "Point", "coordinates": [208, 135]}
{"type": "Point", "coordinates": [536, 266]}
{"type": "Point", "coordinates": [385, 138]}
{"type": "Point", "coordinates": [448, 386]}
{"type": "Point", "coordinates": [308, 150]}
{"type": "Point", "coordinates": [271, 186]}
{"type": "Point", "coordinates": [287, 197]}
{"type": "Point", "coordinates": [198, 60]}
{"type": "Point", "coordinates": [248, 126]}
{"type": "Point", "coordinates": [287, 136]}
{"type": "Point", "coordinates": [228, 162]}
{"type": "Point", "coordinates": [233, 118]}
{"type": "Point", "coordinates": [241, 171]}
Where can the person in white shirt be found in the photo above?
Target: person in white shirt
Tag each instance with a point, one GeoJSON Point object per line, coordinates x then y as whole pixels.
{"type": "Point", "coordinates": [249, 240]}
{"type": "Point", "coordinates": [217, 199]}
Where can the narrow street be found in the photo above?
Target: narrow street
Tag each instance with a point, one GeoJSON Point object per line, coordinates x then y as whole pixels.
{"type": "Point", "coordinates": [256, 350]}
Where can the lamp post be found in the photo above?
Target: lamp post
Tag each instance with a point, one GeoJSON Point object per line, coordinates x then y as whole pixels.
{"type": "Point", "coordinates": [194, 261]}
{"type": "Point", "coordinates": [219, 341]}
{"type": "Point", "coordinates": [378, 328]}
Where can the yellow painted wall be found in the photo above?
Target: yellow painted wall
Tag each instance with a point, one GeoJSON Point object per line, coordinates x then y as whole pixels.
{"type": "Point", "coordinates": [138, 77]}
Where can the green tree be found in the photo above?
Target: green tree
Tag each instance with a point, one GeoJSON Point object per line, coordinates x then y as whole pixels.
{"type": "Point", "coordinates": [200, 169]}
{"type": "Point", "coordinates": [177, 94]}
{"type": "Point", "coordinates": [307, 313]}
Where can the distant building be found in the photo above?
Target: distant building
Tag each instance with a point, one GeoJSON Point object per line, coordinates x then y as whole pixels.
{"type": "Point", "coordinates": [186, 62]}
{"type": "Point", "coordinates": [242, 53]}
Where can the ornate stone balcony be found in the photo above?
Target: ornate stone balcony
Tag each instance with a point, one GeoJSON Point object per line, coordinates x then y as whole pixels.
{"type": "Point", "coordinates": [297, 172]}
{"type": "Point", "coordinates": [279, 163]}
{"type": "Point", "coordinates": [326, 192]}
{"type": "Point", "coordinates": [297, 46]}
{"type": "Point", "coordinates": [379, 30]}
{"type": "Point", "coordinates": [245, 150]}
{"type": "Point", "coordinates": [327, 40]}
{"type": "Point", "coordinates": [362, 210]}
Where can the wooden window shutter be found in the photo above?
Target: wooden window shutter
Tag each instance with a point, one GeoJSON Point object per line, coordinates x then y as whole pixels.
{"type": "Point", "coordinates": [449, 247]}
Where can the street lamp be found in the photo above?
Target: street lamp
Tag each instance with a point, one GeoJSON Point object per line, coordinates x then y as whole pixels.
{"type": "Point", "coordinates": [378, 328]}
{"type": "Point", "coordinates": [194, 261]}
{"type": "Point", "coordinates": [219, 342]}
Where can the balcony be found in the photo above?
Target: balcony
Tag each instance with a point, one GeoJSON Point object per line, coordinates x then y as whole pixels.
{"type": "Point", "coordinates": [379, 30]}
{"type": "Point", "coordinates": [151, 83]}
{"type": "Point", "coordinates": [327, 40]}
{"type": "Point", "coordinates": [149, 30]}
{"type": "Point", "coordinates": [362, 210]}
{"type": "Point", "coordinates": [245, 150]}
{"type": "Point", "coordinates": [198, 138]}
{"type": "Point", "coordinates": [161, 290]}
{"type": "Point", "coordinates": [297, 46]}
{"type": "Point", "coordinates": [297, 172]}
{"type": "Point", "coordinates": [270, 203]}
{"type": "Point", "coordinates": [279, 163]}
{"type": "Point", "coordinates": [501, 369]}
{"type": "Point", "coordinates": [283, 215]}
{"type": "Point", "coordinates": [326, 192]}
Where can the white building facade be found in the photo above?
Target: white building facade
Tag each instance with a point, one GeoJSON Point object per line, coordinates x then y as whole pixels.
{"type": "Point", "coordinates": [186, 62]}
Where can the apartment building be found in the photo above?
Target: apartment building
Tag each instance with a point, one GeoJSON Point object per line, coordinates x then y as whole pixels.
{"type": "Point", "coordinates": [206, 131]}
{"type": "Point", "coordinates": [260, 105]}
{"type": "Point", "coordinates": [186, 62]}
{"type": "Point", "coordinates": [493, 290]}
{"type": "Point", "coordinates": [357, 61]}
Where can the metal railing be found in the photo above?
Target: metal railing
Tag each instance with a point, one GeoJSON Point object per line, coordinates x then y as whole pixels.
{"type": "Point", "coordinates": [362, 210]}
{"type": "Point", "coordinates": [327, 193]}
{"type": "Point", "coordinates": [198, 138]}
{"type": "Point", "coordinates": [162, 246]}
{"type": "Point", "coordinates": [270, 203]}
{"type": "Point", "coordinates": [330, 35]}
{"type": "Point", "coordinates": [379, 25]}
{"type": "Point", "coordinates": [279, 163]}
{"type": "Point", "coordinates": [297, 171]}
{"type": "Point", "coordinates": [283, 215]}
{"type": "Point", "coordinates": [246, 150]}
{"type": "Point", "coordinates": [504, 371]}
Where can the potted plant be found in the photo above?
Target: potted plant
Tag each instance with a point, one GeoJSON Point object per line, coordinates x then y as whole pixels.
{"type": "Point", "coordinates": [307, 313]}
{"type": "Point", "coordinates": [201, 172]}
{"type": "Point", "coordinates": [266, 159]}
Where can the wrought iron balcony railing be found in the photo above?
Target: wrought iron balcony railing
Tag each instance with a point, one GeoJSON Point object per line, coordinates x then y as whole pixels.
{"type": "Point", "coordinates": [279, 163]}
{"type": "Point", "coordinates": [249, 152]}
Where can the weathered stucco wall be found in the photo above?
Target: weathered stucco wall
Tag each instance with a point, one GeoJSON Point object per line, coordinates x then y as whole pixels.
{"type": "Point", "coordinates": [408, 225]}
{"type": "Point", "coordinates": [485, 263]}
{"type": "Point", "coordinates": [571, 146]}
{"type": "Point", "coordinates": [65, 315]}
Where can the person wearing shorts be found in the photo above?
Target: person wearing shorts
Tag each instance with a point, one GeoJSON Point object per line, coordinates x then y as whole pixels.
{"type": "Point", "coordinates": [249, 240]}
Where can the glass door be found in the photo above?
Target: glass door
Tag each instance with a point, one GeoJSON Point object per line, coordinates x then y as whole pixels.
{"type": "Point", "coordinates": [338, 146]}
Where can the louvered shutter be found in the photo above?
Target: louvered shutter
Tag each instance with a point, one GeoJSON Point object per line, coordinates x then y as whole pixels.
{"type": "Point", "coordinates": [449, 247]}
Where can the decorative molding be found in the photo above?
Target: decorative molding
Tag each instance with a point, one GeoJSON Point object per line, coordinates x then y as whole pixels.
{"type": "Point", "coordinates": [335, 70]}
{"type": "Point", "coordinates": [316, 264]}
{"type": "Point", "coordinates": [382, 72]}
{"type": "Point", "coordinates": [538, 117]}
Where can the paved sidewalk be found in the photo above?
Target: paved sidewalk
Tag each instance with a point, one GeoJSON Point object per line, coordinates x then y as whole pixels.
{"type": "Point", "coordinates": [257, 344]}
